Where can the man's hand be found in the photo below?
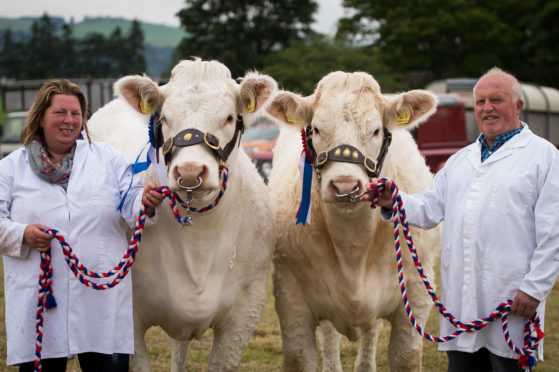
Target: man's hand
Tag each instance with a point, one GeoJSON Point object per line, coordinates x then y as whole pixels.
{"type": "Point", "coordinates": [36, 237]}
{"type": "Point", "coordinates": [524, 305]}
{"type": "Point", "coordinates": [385, 199]}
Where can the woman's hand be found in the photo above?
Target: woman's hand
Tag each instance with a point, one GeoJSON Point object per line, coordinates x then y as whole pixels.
{"type": "Point", "coordinates": [152, 198]}
{"type": "Point", "coordinates": [36, 237]}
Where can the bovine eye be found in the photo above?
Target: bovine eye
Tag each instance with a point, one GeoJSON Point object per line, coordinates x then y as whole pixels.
{"type": "Point", "coordinates": [230, 118]}
{"type": "Point", "coordinates": [315, 131]}
{"type": "Point", "coordinates": [376, 132]}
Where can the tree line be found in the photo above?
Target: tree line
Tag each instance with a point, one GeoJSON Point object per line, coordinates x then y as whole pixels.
{"type": "Point", "coordinates": [52, 51]}
{"type": "Point", "coordinates": [404, 44]}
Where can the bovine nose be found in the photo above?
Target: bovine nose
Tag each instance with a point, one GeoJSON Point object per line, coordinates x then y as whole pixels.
{"type": "Point", "coordinates": [345, 187]}
{"type": "Point", "coordinates": [190, 173]}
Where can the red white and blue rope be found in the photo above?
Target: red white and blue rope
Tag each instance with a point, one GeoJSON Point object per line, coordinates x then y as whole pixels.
{"type": "Point", "coordinates": [46, 299]}
{"type": "Point", "coordinates": [532, 330]}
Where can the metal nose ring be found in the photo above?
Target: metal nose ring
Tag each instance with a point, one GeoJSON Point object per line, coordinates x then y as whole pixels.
{"type": "Point", "coordinates": [350, 194]}
{"type": "Point", "coordinates": [189, 188]}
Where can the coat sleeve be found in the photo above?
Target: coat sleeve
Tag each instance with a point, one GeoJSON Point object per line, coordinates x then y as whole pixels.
{"type": "Point", "coordinates": [544, 265]}
{"type": "Point", "coordinates": [11, 233]}
{"type": "Point", "coordinates": [426, 209]}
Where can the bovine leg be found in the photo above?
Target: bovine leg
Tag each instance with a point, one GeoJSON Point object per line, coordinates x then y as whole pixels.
{"type": "Point", "coordinates": [300, 353]}
{"type": "Point", "coordinates": [140, 360]}
{"type": "Point", "coordinates": [366, 359]}
{"type": "Point", "coordinates": [330, 346]}
{"type": "Point", "coordinates": [178, 354]}
{"type": "Point", "coordinates": [231, 335]}
{"type": "Point", "coordinates": [405, 347]}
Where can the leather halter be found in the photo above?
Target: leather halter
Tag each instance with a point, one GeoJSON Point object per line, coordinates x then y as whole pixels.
{"type": "Point", "coordinates": [349, 154]}
{"type": "Point", "coordinates": [191, 137]}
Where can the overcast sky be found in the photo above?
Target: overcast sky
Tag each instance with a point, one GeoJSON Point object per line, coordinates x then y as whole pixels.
{"type": "Point", "coordinates": [162, 12]}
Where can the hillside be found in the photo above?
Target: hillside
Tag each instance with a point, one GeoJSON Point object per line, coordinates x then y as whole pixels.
{"type": "Point", "coordinates": [160, 39]}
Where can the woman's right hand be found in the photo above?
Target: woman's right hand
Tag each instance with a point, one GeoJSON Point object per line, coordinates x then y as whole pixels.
{"type": "Point", "coordinates": [36, 237]}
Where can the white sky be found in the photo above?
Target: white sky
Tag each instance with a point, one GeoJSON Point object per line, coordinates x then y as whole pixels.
{"type": "Point", "coordinates": [162, 12]}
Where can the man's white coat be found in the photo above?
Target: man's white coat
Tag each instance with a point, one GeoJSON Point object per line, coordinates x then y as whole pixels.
{"type": "Point", "coordinates": [491, 245]}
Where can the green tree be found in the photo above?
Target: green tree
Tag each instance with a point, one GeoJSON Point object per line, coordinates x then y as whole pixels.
{"type": "Point", "coordinates": [242, 33]}
{"type": "Point", "coordinates": [10, 57]}
{"type": "Point", "coordinates": [133, 60]}
{"type": "Point", "coordinates": [43, 57]}
{"type": "Point", "coordinates": [432, 39]}
{"type": "Point", "coordinates": [319, 56]}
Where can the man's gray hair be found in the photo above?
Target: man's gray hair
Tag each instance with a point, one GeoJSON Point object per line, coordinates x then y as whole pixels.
{"type": "Point", "coordinates": [516, 87]}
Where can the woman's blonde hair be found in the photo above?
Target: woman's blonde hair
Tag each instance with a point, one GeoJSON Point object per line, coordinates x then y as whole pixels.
{"type": "Point", "coordinates": [43, 100]}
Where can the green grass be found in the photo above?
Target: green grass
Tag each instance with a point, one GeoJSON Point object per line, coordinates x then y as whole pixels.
{"type": "Point", "coordinates": [264, 350]}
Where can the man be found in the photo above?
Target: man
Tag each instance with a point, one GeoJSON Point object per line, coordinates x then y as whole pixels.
{"type": "Point", "coordinates": [499, 199]}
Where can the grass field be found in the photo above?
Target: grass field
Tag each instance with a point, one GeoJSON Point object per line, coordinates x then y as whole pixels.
{"type": "Point", "coordinates": [264, 350]}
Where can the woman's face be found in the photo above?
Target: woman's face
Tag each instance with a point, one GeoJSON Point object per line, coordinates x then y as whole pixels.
{"type": "Point", "coordinates": [61, 123]}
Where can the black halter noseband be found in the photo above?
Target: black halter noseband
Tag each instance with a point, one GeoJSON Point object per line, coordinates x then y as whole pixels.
{"type": "Point", "coordinates": [349, 154]}
{"type": "Point", "coordinates": [191, 137]}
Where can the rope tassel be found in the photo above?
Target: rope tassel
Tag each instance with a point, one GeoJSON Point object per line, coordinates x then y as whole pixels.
{"type": "Point", "coordinates": [532, 329]}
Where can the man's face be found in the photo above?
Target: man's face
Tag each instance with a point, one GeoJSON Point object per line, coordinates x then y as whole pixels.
{"type": "Point", "coordinates": [495, 110]}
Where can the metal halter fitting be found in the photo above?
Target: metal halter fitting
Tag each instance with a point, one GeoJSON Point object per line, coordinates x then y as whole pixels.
{"type": "Point", "coordinates": [191, 137]}
{"type": "Point", "coordinates": [350, 154]}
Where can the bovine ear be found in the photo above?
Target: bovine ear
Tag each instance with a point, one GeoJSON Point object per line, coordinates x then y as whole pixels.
{"type": "Point", "coordinates": [291, 109]}
{"type": "Point", "coordinates": [255, 93]}
{"type": "Point", "coordinates": [140, 92]}
{"type": "Point", "coordinates": [407, 110]}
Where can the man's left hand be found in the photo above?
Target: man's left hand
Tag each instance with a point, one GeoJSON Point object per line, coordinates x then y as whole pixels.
{"type": "Point", "coordinates": [524, 305]}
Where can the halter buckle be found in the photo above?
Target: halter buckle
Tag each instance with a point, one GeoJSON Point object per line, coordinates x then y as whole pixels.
{"type": "Point", "coordinates": [211, 140]}
{"type": "Point", "coordinates": [322, 158]}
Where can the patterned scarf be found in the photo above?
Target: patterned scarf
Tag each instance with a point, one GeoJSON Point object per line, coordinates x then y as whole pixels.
{"type": "Point", "coordinates": [44, 166]}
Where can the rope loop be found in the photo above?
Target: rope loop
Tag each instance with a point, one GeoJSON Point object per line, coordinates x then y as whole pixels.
{"type": "Point", "coordinates": [532, 329]}
{"type": "Point", "coordinates": [46, 298]}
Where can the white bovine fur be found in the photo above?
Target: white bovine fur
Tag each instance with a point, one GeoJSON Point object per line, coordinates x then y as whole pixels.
{"type": "Point", "coordinates": [214, 273]}
{"type": "Point", "coordinates": [339, 272]}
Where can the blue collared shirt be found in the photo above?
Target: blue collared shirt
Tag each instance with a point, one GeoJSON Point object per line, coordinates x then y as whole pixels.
{"type": "Point", "coordinates": [500, 140]}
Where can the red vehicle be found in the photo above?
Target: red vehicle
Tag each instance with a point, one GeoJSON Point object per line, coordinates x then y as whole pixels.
{"type": "Point", "coordinates": [444, 133]}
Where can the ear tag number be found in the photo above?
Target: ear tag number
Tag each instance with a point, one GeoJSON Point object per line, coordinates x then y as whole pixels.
{"type": "Point", "coordinates": [145, 107]}
{"type": "Point", "coordinates": [404, 118]}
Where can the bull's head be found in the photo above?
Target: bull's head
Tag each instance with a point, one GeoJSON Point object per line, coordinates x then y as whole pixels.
{"type": "Point", "coordinates": [198, 118]}
{"type": "Point", "coordinates": [347, 124]}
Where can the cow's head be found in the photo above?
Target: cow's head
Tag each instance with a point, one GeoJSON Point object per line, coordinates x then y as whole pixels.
{"type": "Point", "coordinates": [348, 123]}
{"type": "Point", "coordinates": [201, 112]}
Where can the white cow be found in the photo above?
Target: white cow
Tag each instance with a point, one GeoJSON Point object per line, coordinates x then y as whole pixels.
{"type": "Point", "coordinates": [213, 273]}
{"type": "Point", "coordinates": [339, 273]}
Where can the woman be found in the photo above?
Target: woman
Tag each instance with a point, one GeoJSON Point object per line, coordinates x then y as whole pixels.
{"type": "Point", "coordinates": [60, 180]}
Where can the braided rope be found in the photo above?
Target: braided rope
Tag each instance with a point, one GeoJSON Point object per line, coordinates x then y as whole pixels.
{"type": "Point", "coordinates": [223, 175]}
{"type": "Point", "coordinates": [46, 299]}
{"type": "Point", "coordinates": [532, 329]}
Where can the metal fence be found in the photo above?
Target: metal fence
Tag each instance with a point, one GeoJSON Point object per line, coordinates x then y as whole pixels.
{"type": "Point", "coordinates": [19, 95]}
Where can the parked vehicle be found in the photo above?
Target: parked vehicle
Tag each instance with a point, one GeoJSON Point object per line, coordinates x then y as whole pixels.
{"type": "Point", "coordinates": [11, 132]}
{"type": "Point", "coordinates": [258, 142]}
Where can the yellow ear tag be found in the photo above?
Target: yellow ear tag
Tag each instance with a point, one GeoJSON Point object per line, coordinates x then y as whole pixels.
{"type": "Point", "coordinates": [250, 107]}
{"type": "Point", "coordinates": [145, 107]}
{"type": "Point", "coordinates": [403, 118]}
{"type": "Point", "coordinates": [292, 119]}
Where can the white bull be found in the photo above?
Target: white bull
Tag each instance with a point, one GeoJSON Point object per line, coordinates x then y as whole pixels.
{"type": "Point", "coordinates": [214, 273]}
{"type": "Point", "coordinates": [339, 273]}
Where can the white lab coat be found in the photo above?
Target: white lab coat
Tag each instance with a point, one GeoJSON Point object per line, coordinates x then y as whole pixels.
{"type": "Point", "coordinates": [85, 320]}
{"type": "Point", "coordinates": [500, 234]}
